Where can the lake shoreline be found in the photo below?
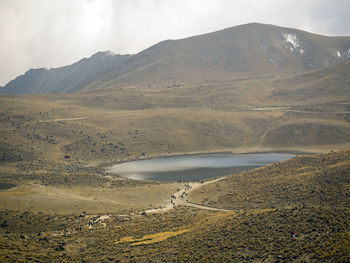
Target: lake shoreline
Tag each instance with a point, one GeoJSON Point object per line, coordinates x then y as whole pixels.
{"type": "Point", "coordinates": [193, 167]}
{"type": "Point", "coordinates": [105, 165]}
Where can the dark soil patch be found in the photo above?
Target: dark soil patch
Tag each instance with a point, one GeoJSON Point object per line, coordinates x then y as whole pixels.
{"type": "Point", "coordinates": [6, 186]}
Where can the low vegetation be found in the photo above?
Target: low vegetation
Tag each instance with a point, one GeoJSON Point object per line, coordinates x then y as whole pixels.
{"type": "Point", "coordinates": [57, 204]}
{"type": "Point", "coordinates": [307, 195]}
{"type": "Point", "coordinates": [304, 180]}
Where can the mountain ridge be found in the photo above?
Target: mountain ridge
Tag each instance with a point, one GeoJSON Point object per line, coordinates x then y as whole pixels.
{"type": "Point", "coordinates": [244, 51]}
{"type": "Point", "coordinates": [195, 63]}
{"type": "Point", "coordinates": [66, 79]}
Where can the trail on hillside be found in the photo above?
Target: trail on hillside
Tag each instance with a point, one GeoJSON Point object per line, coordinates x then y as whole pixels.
{"type": "Point", "coordinates": [180, 198]}
{"type": "Point", "coordinates": [92, 117]}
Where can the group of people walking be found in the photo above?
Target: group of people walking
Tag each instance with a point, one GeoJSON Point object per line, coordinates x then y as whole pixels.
{"type": "Point", "coordinates": [183, 195]}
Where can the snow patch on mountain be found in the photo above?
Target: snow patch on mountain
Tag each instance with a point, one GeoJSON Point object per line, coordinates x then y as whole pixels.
{"type": "Point", "coordinates": [291, 38]}
{"type": "Point", "coordinates": [342, 54]}
{"type": "Point", "coordinates": [293, 43]}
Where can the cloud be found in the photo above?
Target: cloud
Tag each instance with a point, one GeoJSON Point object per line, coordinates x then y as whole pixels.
{"type": "Point", "coordinates": [40, 33]}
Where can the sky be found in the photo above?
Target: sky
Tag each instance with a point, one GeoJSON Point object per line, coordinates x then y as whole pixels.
{"type": "Point", "coordinates": [55, 33]}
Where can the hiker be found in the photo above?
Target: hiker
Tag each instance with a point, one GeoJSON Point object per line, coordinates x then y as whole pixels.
{"type": "Point", "coordinates": [292, 234]}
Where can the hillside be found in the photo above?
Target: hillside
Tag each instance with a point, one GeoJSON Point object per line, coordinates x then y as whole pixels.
{"type": "Point", "coordinates": [251, 51]}
{"type": "Point", "coordinates": [327, 85]}
{"type": "Point", "coordinates": [307, 195]}
{"type": "Point", "coordinates": [315, 180]}
{"type": "Point", "coordinates": [68, 79]}
{"type": "Point", "coordinates": [305, 112]}
{"type": "Point", "coordinates": [131, 124]}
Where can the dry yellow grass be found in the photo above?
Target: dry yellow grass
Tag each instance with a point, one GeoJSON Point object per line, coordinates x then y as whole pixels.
{"type": "Point", "coordinates": [150, 239]}
{"type": "Point", "coordinates": [339, 164]}
{"type": "Point", "coordinates": [303, 174]}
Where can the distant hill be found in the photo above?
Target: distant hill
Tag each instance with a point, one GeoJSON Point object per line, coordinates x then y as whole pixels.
{"type": "Point", "coordinates": [241, 52]}
{"type": "Point", "coordinates": [68, 79]}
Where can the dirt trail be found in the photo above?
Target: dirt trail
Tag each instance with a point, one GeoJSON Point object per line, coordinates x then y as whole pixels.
{"type": "Point", "coordinates": [264, 135]}
{"type": "Point", "coordinates": [180, 198]}
{"type": "Point", "coordinates": [93, 117]}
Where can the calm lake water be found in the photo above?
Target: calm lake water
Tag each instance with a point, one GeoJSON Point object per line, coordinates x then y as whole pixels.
{"type": "Point", "coordinates": [193, 167]}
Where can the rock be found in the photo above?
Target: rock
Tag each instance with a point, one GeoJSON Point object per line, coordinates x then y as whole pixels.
{"type": "Point", "coordinates": [44, 239]}
{"type": "Point", "coordinates": [4, 224]}
{"type": "Point", "coordinates": [61, 247]}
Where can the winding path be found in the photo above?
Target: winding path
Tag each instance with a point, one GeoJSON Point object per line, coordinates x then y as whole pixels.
{"type": "Point", "coordinates": [179, 198]}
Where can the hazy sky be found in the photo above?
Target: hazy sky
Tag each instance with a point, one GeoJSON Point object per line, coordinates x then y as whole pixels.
{"type": "Point", "coordinates": [53, 33]}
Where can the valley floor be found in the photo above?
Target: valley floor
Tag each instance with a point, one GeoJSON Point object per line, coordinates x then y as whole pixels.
{"type": "Point", "coordinates": [307, 195]}
{"type": "Point", "coordinates": [54, 150]}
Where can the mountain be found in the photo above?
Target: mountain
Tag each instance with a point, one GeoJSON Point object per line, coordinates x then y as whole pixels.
{"type": "Point", "coordinates": [326, 85]}
{"type": "Point", "coordinates": [68, 79]}
{"type": "Point", "coordinates": [241, 52]}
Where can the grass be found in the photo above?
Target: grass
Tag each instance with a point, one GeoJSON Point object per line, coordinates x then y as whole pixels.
{"type": "Point", "coordinates": [75, 199]}
{"type": "Point", "coordinates": [44, 190]}
{"type": "Point", "coordinates": [35, 140]}
{"type": "Point", "coordinates": [120, 125]}
{"type": "Point", "coordinates": [185, 234]}
{"type": "Point", "coordinates": [150, 239]}
{"type": "Point", "coordinates": [309, 180]}
{"type": "Point", "coordinates": [337, 247]}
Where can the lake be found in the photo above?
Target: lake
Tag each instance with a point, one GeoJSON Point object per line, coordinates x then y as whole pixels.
{"type": "Point", "coordinates": [193, 167]}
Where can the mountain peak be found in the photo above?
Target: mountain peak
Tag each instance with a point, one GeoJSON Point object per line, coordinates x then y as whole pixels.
{"type": "Point", "coordinates": [106, 53]}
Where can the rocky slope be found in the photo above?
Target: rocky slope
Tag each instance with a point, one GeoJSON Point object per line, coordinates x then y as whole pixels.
{"type": "Point", "coordinates": [68, 79]}
{"type": "Point", "coordinates": [242, 52]}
